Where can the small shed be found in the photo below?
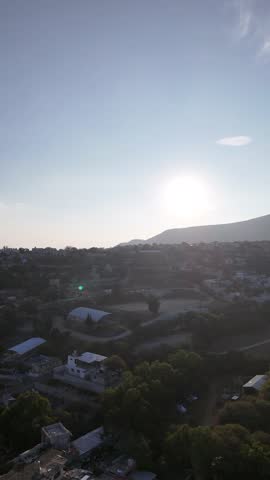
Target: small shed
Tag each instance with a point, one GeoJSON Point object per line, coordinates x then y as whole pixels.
{"type": "Point", "coordinates": [255, 384]}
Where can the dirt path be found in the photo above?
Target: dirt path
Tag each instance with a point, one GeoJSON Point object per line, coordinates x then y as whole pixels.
{"type": "Point", "coordinates": [89, 338]}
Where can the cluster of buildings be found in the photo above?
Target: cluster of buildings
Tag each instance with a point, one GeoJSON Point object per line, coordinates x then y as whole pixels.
{"type": "Point", "coordinates": [58, 456]}
{"type": "Point", "coordinates": [23, 365]}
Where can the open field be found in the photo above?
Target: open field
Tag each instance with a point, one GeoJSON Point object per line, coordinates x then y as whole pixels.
{"type": "Point", "coordinates": [167, 306]}
{"type": "Point", "coordinates": [171, 340]}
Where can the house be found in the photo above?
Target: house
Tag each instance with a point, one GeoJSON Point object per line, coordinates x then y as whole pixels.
{"type": "Point", "coordinates": [255, 384]}
{"type": "Point", "coordinates": [22, 349]}
{"type": "Point", "coordinates": [86, 365]}
{"type": "Point", "coordinates": [87, 443]}
{"type": "Point", "coordinates": [88, 371]}
{"type": "Point", "coordinates": [81, 314]}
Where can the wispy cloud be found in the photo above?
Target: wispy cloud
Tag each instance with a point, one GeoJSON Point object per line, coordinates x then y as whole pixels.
{"type": "Point", "coordinates": [265, 49]}
{"type": "Point", "coordinates": [253, 21]}
{"type": "Point", "coordinates": [238, 141]}
{"type": "Point", "coordinates": [245, 18]}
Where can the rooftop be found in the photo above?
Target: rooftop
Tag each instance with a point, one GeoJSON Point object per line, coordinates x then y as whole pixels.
{"type": "Point", "coordinates": [88, 357]}
{"type": "Point", "coordinates": [55, 429]}
{"type": "Point", "coordinates": [83, 312]}
{"type": "Point", "coordinates": [89, 441]}
{"type": "Point", "coordinates": [256, 382]}
{"type": "Point", "coordinates": [27, 346]}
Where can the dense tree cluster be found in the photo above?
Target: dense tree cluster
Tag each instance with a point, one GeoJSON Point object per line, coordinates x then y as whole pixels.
{"type": "Point", "coordinates": [252, 411]}
{"type": "Point", "coordinates": [145, 404]}
{"type": "Point", "coordinates": [21, 422]}
{"type": "Point", "coordinates": [222, 452]}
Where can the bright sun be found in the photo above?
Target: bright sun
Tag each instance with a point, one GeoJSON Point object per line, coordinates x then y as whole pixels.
{"type": "Point", "coordinates": [185, 196]}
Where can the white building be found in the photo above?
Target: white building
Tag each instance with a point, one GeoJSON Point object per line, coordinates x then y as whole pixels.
{"type": "Point", "coordinates": [85, 365]}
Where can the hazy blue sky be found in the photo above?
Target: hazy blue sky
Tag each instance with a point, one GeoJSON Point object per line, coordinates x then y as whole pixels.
{"type": "Point", "coordinates": [105, 102]}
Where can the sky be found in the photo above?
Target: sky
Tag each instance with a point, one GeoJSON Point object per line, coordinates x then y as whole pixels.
{"type": "Point", "coordinates": [120, 119]}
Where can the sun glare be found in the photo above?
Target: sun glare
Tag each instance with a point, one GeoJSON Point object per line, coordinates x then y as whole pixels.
{"type": "Point", "coordinates": [185, 196]}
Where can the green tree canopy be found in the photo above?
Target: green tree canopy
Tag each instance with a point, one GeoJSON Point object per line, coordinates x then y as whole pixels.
{"type": "Point", "coordinates": [21, 422]}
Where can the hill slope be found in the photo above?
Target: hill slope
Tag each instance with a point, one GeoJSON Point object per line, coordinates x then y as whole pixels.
{"type": "Point", "coordinates": [256, 229]}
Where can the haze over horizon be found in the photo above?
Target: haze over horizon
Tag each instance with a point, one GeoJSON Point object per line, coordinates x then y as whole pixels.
{"type": "Point", "coordinates": [123, 119]}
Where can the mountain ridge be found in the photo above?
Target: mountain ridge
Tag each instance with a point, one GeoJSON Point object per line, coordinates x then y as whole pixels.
{"type": "Point", "coordinates": [254, 229]}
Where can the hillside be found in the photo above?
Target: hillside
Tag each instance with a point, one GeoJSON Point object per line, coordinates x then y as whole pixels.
{"type": "Point", "coordinates": [256, 229]}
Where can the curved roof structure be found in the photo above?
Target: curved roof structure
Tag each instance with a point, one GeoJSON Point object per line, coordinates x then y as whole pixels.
{"type": "Point", "coordinates": [81, 313]}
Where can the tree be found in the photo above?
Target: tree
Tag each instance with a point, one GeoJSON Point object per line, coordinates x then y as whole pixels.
{"type": "Point", "coordinates": [242, 412]}
{"type": "Point", "coordinates": [138, 447]}
{"type": "Point", "coordinates": [89, 321]}
{"type": "Point", "coordinates": [115, 363]}
{"type": "Point", "coordinates": [21, 422]}
{"type": "Point", "coordinates": [177, 448]}
{"type": "Point", "coordinates": [265, 391]}
{"type": "Point", "coordinates": [153, 305]}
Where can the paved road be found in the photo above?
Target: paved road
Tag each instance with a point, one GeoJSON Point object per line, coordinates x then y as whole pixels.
{"type": "Point", "coordinates": [253, 345]}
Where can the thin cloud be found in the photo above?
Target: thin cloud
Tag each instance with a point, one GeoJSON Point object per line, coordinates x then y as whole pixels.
{"type": "Point", "coordinates": [239, 141]}
{"type": "Point", "coordinates": [253, 21]}
{"type": "Point", "coordinates": [245, 19]}
{"type": "Point", "coordinates": [265, 49]}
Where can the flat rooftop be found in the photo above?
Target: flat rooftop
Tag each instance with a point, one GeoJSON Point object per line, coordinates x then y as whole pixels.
{"type": "Point", "coordinates": [55, 429]}
{"type": "Point", "coordinates": [89, 357]}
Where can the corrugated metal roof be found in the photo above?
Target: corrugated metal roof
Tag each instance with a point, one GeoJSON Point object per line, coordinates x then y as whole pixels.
{"type": "Point", "coordinates": [83, 312]}
{"type": "Point", "coordinates": [256, 382]}
{"type": "Point", "coordinates": [89, 441]}
{"type": "Point", "coordinates": [28, 345]}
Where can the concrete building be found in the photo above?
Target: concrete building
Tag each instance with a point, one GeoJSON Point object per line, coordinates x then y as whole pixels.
{"type": "Point", "coordinates": [56, 436]}
{"type": "Point", "coordinates": [87, 371]}
{"type": "Point", "coordinates": [87, 365]}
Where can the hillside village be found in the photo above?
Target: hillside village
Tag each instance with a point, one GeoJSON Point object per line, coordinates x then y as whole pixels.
{"type": "Point", "coordinates": [110, 358]}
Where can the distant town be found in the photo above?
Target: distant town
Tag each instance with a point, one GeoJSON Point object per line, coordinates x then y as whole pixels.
{"type": "Point", "coordinates": [123, 363]}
